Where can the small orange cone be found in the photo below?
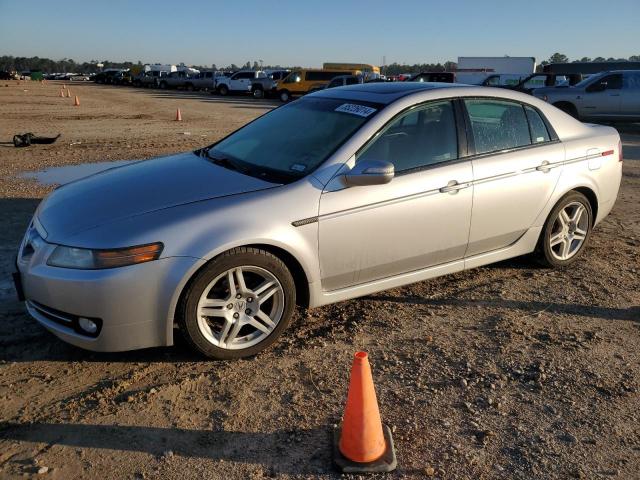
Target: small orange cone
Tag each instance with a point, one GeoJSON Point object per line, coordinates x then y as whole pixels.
{"type": "Point", "coordinates": [178, 116]}
{"type": "Point", "coordinates": [68, 93]}
{"type": "Point", "coordinates": [76, 103]}
{"type": "Point", "coordinates": [364, 445]}
{"type": "Point", "coordinates": [64, 85]}
{"type": "Point", "coordinates": [61, 93]}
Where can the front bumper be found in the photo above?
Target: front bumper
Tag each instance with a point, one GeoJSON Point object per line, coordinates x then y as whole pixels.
{"type": "Point", "coordinates": [134, 304]}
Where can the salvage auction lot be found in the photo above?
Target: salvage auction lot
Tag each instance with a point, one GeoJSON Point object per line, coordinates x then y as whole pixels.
{"type": "Point", "coordinates": [506, 371]}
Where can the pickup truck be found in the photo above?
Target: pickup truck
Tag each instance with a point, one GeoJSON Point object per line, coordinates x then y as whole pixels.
{"type": "Point", "coordinates": [239, 82]}
{"type": "Point", "coordinates": [608, 96]}
{"type": "Point", "coordinates": [149, 79]}
{"type": "Point", "coordinates": [267, 84]}
{"type": "Point", "coordinates": [177, 80]}
{"type": "Point", "coordinates": [204, 80]}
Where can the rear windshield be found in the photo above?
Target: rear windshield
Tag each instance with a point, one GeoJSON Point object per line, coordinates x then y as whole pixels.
{"type": "Point", "coordinates": [292, 141]}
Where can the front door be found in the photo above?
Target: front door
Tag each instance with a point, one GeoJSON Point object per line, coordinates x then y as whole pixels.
{"type": "Point", "coordinates": [601, 98]}
{"type": "Point", "coordinates": [420, 219]}
{"type": "Point", "coordinates": [515, 170]}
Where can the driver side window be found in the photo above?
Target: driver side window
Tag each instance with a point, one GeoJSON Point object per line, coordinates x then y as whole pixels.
{"type": "Point", "coordinates": [609, 82]}
{"type": "Point", "coordinates": [420, 137]}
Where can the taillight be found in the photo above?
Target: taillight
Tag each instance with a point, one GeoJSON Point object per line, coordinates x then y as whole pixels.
{"type": "Point", "coordinates": [620, 150]}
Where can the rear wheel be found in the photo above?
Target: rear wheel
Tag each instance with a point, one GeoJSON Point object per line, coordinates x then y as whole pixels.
{"type": "Point", "coordinates": [566, 231]}
{"type": "Point", "coordinates": [223, 90]}
{"type": "Point", "coordinates": [258, 93]}
{"type": "Point", "coordinates": [238, 305]}
{"type": "Point", "coordinates": [189, 87]}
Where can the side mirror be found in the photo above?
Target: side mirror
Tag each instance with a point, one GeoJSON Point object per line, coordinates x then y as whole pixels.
{"type": "Point", "coordinates": [369, 172]}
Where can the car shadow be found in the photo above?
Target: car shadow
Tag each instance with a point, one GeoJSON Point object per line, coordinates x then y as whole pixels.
{"type": "Point", "coordinates": [301, 452]}
{"type": "Point", "coordinates": [631, 313]}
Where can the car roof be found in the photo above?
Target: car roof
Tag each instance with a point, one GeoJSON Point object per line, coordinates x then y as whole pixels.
{"type": "Point", "coordinates": [383, 93]}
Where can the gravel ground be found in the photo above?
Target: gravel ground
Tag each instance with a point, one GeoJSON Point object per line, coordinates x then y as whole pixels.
{"type": "Point", "coordinates": [506, 371]}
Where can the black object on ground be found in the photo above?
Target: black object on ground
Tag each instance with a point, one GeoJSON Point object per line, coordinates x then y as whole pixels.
{"type": "Point", "coordinates": [27, 139]}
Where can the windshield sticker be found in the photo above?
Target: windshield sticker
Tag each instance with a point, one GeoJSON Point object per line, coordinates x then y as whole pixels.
{"type": "Point", "coordinates": [297, 167]}
{"type": "Point", "coordinates": [353, 109]}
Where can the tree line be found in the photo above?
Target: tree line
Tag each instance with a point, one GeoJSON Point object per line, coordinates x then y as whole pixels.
{"type": "Point", "coordinates": [47, 65]}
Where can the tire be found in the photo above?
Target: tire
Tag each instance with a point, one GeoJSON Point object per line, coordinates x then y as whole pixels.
{"type": "Point", "coordinates": [189, 87]}
{"type": "Point", "coordinates": [567, 108]}
{"type": "Point", "coordinates": [222, 334]}
{"type": "Point", "coordinates": [258, 93]}
{"type": "Point", "coordinates": [564, 237]}
{"type": "Point", "coordinates": [284, 95]}
{"type": "Point", "coordinates": [223, 90]}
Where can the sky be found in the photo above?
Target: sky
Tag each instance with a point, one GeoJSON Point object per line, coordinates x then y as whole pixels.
{"type": "Point", "coordinates": [308, 33]}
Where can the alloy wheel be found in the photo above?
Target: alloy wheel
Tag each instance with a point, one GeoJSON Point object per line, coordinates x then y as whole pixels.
{"type": "Point", "coordinates": [569, 231]}
{"type": "Point", "coordinates": [240, 307]}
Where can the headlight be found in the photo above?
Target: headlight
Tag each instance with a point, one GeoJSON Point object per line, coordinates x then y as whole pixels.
{"type": "Point", "coordinates": [83, 258]}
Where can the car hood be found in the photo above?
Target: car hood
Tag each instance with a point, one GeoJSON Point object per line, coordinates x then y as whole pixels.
{"type": "Point", "coordinates": [136, 189]}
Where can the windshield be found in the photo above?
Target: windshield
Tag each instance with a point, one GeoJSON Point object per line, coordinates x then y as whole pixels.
{"type": "Point", "coordinates": [291, 141]}
{"type": "Point", "coordinates": [589, 79]}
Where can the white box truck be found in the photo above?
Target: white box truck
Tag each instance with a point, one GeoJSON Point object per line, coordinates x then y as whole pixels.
{"type": "Point", "coordinates": [499, 70]}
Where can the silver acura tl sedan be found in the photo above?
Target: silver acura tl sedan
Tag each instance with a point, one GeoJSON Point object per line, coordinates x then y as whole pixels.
{"type": "Point", "coordinates": [340, 194]}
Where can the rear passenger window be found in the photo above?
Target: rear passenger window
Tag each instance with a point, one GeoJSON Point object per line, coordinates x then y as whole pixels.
{"type": "Point", "coordinates": [421, 137]}
{"type": "Point", "coordinates": [497, 125]}
{"type": "Point", "coordinates": [539, 132]}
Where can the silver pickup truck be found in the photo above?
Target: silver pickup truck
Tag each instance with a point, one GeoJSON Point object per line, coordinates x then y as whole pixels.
{"type": "Point", "coordinates": [607, 96]}
{"type": "Point", "coordinates": [266, 85]}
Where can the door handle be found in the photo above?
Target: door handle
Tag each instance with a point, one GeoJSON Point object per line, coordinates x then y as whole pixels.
{"type": "Point", "coordinates": [453, 186]}
{"type": "Point", "coordinates": [544, 167]}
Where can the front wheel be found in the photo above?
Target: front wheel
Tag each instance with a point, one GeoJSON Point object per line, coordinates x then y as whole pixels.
{"type": "Point", "coordinates": [285, 96]}
{"type": "Point", "coordinates": [566, 231]}
{"type": "Point", "coordinates": [223, 90]}
{"type": "Point", "coordinates": [238, 305]}
{"type": "Point", "coordinates": [258, 93]}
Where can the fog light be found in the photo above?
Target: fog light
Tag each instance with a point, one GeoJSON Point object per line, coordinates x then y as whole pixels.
{"type": "Point", "coordinates": [87, 325]}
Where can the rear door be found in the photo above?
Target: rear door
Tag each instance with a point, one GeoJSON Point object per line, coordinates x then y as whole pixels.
{"type": "Point", "coordinates": [516, 167]}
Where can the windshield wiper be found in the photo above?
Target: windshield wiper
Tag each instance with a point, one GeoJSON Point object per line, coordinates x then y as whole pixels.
{"type": "Point", "coordinates": [224, 162]}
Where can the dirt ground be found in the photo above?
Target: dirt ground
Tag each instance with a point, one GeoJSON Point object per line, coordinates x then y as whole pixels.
{"type": "Point", "coordinates": [507, 371]}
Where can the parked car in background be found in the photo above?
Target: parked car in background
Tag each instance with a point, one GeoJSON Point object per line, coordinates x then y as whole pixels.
{"type": "Point", "coordinates": [267, 85]}
{"type": "Point", "coordinates": [149, 79]}
{"type": "Point", "coordinates": [122, 78]}
{"type": "Point", "coordinates": [607, 96]}
{"type": "Point", "coordinates": [105, 77]}
{"type": "Point", "coordinates": [539, 80]}
{"type": "Point", "coordinates": [301, 82]}
{"type": "Point", "coordinates": [344, 80]}
{"type": "Point", "coordinates": [442, 77]}
{"type": "Point", "coordinates": [204, 80]}
{"type": "Point", "coordinates": [179, 79]}
{"type": "Point", "coordinates": [329, 198]}
{"type": "Point", "coordinates": [239, 82]}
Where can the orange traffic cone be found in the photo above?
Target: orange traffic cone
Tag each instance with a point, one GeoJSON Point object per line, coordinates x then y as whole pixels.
{"type": "Point", "coordinates": [178, 116]}
{"type": "Point", "coordinates": [68, 93]}
{"type": "Point", "coordinates": [364, 445]}
{"type": "Point", "coordinates": [77, 102]}
{"type": "Point", "coordinates": [62, 93]}
{"type": "Point", "coordinates": [64, 85]}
